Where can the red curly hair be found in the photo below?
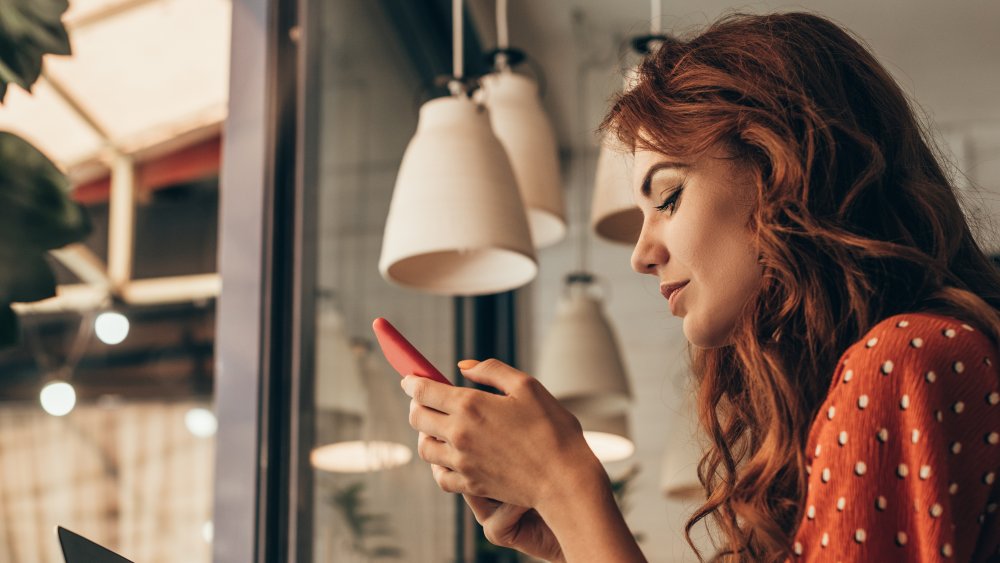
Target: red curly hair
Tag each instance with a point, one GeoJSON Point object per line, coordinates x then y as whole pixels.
{"type": "Point", "coordinates": [855, 220]}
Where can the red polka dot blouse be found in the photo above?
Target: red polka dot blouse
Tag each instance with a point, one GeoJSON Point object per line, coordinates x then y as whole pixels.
{"type": "Point", "coordinates": [904, 453]}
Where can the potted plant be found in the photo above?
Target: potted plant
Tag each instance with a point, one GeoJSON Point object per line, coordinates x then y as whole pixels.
{"type": "Point", "coordinates": [36, 212]}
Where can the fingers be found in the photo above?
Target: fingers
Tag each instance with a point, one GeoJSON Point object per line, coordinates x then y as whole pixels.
{"type": "Point", "coordinates": [428, 421]}
{"type": "Point", "coordinates": [438, 396]}
{"type": "Point", "coordinates": [494, 373]}
{"type": "Point", "coordinates": [435, 452]}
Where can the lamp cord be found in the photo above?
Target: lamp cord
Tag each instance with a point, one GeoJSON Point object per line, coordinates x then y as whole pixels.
{"type": "Point", "coordinates": [456, 24]}
{"type": "Point", "coordinates": [656, 24]}
{"type": "Point", "coordinates": [503, 41]}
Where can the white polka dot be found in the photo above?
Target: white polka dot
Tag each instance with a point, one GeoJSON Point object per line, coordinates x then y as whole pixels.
{"type": "Point", "coordinates": [860, 468]}
{"type": "Point", "coordinates": [798, 546]}
{"type": "Point", "coordinates": [871, 342]}
{"type": "Point", "coordinates": [903, 324]}
{"type": "Point", "coordinates": [811, 512]}
{"type": "Point", "coordinates": [925, 471]}
{"type": "Point", "coordinates": [862, 401]}
{"type": "Point", "coordinates": [901, 538]}
{"type": "Point", "coordinates": [841, 503]}
{"type": "Point", "coordinates": [988, 478]}
{"type": "Point", "coordinates": [946, 550]}
{"type": "Point", "coordinates": [931, 376]}
{"type": "Point", "coordinates": [881, 503]}
{"type": "Point", "coordinates": [952, 488]}
{"type": "Point", "coordinates": [967, 327]}
{"type": "Point", "coordinates": [988, 361]}
{"type": "Point", "coordinates": [842, 437]}
{"type": "Point", "coordinates": [859, 535]}
{"type": "Point", "coordinates": [981, 518]}
{"type": "Point", "coordinates": [915, 436]}
{"type": "Point", "coordinates": [848, 375]}
{"type": "Point", "coordinates": [887, 367]}
{"type": "Point", "coordinates": [956, 447]}
{"type": "Point", "coordinates": [809, 470]}
{"type": "Point", "coordinates": [818, 448]}
{"type": "Point", "coordinates": [958, 407]}
{"type": "Point", "coordinates": [904, 403]}
{"type": "Point", "coordinates": [917, 342]}
{"type": "Point", "coordinates": [959, 367]}
{"type": "Point", "coordinates": [939, 416]}
{"type": "Point", "coordinates": [883, 435]}
{"type": "Point", "coordinates": [936, 510]}
{"type": "Point", "coordinates": [992, 438]}
{"type": "Point", "coordinates": [902, 470]}
{"type": "Point", "coordinates": [993, 398]}
{"type": "Point", "coordinates": [825, 540]}
{"type": "Point", "coordinates": [830, 412]}
{"type": "Point", "coordinates": [991, 507]}
{"type": "Point", "coordinates": [826, 475]}
{"type": "Point", "coordinates": [948, 333]}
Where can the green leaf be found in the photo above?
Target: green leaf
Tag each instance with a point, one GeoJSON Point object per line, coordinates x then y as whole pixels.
{"type": "Point", "coordinates": [9, 331]}
{"type": "Point", "coordinates": [35, 209]}
{"type": "Point", "coordinates": [28, 30]}
{"type": "Point", "coordinates": [25, 277]}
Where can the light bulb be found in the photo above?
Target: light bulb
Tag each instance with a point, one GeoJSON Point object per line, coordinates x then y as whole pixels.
{"type": "Point", "coordinates": [201, 422]}
{"type": "Point", "coordinates": [207, 531]}
{"type": "Point", "coordinates": [58, 398]}
{"type": "Point", "coordinates": [111, 327]}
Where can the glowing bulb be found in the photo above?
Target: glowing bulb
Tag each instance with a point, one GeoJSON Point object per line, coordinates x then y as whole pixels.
{"type": "Point", "coordinates": [207, 531]}
{"type": "Point", "coordinates": [111, 327]}
{"type": "Point", "coordinates": [58, 398]}
{"type": "Point", "coordinates": [200, 422]}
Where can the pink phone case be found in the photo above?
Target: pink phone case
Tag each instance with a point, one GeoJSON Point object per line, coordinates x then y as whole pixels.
{"type": "Point", "coordinates": [403, 357]}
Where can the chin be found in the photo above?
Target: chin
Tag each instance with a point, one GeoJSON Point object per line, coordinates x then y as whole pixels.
{"type": "Point", "coordinates": [705, 335]}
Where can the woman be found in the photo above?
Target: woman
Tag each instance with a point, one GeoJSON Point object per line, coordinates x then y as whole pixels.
{"type": "Point", "coordinates": [843, 322]}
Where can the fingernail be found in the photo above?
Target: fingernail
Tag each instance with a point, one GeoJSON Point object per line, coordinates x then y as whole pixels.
{"type": "Point", "coordinates": [405, 384]}
{"type": "Point", "coordinates": [467, 364]}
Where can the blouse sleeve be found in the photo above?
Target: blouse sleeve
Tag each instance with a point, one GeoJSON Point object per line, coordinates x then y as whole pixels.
{"type": "Point", "coordinates": [903, 454]}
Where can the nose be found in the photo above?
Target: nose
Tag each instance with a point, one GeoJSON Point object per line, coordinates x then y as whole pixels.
{"type": "Point", "coordinates": [649, 252]}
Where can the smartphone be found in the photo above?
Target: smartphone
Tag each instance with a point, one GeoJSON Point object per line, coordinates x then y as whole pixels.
{"type": "Point", "coordinates": [402, 355]}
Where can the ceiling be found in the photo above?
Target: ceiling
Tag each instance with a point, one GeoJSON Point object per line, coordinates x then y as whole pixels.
{"type": "Point", "coordinates": [945, 54]}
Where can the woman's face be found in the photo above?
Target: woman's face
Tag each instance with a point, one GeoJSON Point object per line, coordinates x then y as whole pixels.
{"type": "Point", "coordinates": [698, 236]}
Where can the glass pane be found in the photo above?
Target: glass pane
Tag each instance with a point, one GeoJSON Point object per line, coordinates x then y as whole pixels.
{"type": "Point", "coordinates": [106, 403]}
{"type": "Point", "coordinates": [375, 500]}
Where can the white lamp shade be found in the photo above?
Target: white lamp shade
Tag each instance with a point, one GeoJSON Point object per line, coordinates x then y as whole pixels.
{"type": "Point", "coordinates": [614, 215]}
{"type": "Point", "coordinates": [579, 362]}
{"type": "Point", "coordinates": [339, 385]}
{"type": "Point", "coordinates": [359, 456]}
{"type": "Point", "coordinates": [684, 448]}
{"type": "Point", "coordinates": [521, 125]}
{"type": "Point", "coordinates": [384, 433]}
{"type": "Point", "coordinates": [456, 223]}
{"type": "Point", "coordinates": [609, 436]}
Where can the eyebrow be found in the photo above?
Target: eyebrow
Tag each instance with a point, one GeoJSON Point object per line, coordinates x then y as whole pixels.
{"type": "Point", "coordinates": [648, 179]}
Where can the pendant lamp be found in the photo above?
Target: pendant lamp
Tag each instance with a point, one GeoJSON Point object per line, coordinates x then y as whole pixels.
{"type": "Point", "coordinates": [579, 362]}
{"type": "Point", "coordinates": [520, 124]}
{"type": "Point", "coordinates": [614, 215]}
{"type": "Point", "coordinates": [684, 448]}
{"type": "Point", "coordinates": [609, 437]}
{"type": "Point", "coordinates": [456, 222]}
{"type": "Point", "coordinates": [381, 442]}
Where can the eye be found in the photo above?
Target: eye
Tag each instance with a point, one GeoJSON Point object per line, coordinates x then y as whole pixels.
{"type": "Point", "coordinates": [671, 202]}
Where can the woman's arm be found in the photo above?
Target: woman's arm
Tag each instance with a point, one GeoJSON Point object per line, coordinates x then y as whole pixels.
{"type": "Point", "coordinates": [588, 523]}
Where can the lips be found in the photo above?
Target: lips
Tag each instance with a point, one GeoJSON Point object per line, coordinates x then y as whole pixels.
{"type": "Point", "coordinates": [667, 289]}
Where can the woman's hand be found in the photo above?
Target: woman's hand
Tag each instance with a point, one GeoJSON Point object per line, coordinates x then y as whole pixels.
{"type": "Point", "coordinates": [521, 448]}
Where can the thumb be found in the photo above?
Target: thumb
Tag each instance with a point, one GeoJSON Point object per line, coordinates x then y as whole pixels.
{"type": "Point", "coordinates": [491, 372]}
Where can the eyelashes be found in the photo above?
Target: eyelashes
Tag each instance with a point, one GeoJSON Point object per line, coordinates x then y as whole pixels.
{"type": "Point", "coordinates": [671, 202]}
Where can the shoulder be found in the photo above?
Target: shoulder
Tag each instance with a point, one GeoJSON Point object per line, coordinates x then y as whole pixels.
{"type": "Point", "coordinates": [913, 341]}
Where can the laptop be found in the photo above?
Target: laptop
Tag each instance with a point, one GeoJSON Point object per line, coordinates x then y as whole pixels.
{"type": "Point", "coordinates": [78, 549]}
